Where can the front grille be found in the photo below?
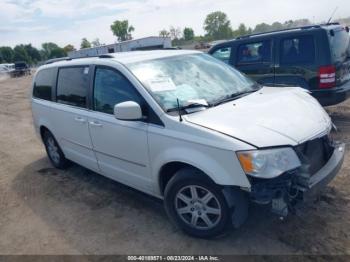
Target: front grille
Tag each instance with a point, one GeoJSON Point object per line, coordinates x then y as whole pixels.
{"type": "Point", "coordinates": [315, 153]}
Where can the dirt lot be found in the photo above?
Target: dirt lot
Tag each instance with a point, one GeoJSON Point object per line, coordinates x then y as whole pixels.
{"type": "Point", "coordinates": [46, 211]}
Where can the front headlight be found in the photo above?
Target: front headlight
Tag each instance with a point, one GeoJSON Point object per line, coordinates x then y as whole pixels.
{"type": "Point", "coordinates": [268, 163]}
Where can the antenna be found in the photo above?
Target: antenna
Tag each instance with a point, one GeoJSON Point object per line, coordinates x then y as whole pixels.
{"type": "Point", "coordinates": [330, 19]}
{"type": "Point", "coordinates": [179, 110]}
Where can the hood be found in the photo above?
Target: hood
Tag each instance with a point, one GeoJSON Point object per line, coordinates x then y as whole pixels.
{"type": "Point", "coordinates": [272, 116]}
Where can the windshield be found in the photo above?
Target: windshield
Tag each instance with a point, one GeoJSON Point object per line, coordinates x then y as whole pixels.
{"type": "Point", "coordinates": [340, 45]}
{"type": "Point", "coordinates": [189, 78]}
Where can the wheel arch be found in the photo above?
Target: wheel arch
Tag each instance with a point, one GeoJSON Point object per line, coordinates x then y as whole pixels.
{"type": "Point", "coordinates": [44, 124]}
{"type": "Point", "coordinates": [168, 170]}
{"type": "Point", "coordinates": [43, 129]}
{"type": "Point", "coordinates": [218, 165]}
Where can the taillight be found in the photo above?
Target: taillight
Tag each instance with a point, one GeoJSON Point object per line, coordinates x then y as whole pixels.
{"type": "Point", "coordinates": [327, 76]}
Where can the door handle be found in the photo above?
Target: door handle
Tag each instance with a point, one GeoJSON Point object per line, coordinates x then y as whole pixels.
{"type": "Point", "coordinates": [80, 119]}
{"type": "Point", "coordinates": [94, 123]}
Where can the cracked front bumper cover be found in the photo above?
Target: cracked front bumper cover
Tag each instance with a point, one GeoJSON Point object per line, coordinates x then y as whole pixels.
{"type": "Point", "coordinates": [324, 176]}
{"type": "Point", "coordinates": [289, 189]}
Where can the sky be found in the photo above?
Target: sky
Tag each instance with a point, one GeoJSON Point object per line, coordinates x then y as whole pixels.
{"type": "Point", "coordinates": [67, 22]}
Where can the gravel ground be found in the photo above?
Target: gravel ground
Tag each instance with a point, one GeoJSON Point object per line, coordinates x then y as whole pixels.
{"type": "Point", "coordinates": [47, 211]}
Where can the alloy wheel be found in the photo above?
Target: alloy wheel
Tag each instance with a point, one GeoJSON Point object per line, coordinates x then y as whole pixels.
{"type": "Point", "coordinates": [53, 150]}
{"type": "Point", "coordinates": [198, 207]}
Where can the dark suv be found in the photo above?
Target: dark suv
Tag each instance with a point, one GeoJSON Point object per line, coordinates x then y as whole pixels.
{"type": "Point", "coordinates": [315, 57]}
{"type": "Point", "coordinates": [21, 69]}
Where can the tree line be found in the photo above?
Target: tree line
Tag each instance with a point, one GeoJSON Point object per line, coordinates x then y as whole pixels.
{"type": "Point", "coordinates": [216, 25]}
{"type": "Point", "coordinates": [32, 55]}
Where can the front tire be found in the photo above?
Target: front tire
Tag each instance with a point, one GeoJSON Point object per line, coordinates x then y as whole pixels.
{"type": "Point", "coordinates": [54, 151]}
{"type": "Point", "coordinates": [196, 204]}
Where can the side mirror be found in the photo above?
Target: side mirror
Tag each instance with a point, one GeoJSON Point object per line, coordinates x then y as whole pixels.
{"type": "Point", "coordinates": [129, 111]}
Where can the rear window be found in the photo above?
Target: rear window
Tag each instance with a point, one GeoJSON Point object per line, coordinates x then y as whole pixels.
{"type": "Point", "coordinates": [339, 44]}
{"type": "Point", "coordinates": [298, 50]}
{"type": "Point", "coordinates": [72, 86]}
{"type": "Point", "coordinates": [43, 84]}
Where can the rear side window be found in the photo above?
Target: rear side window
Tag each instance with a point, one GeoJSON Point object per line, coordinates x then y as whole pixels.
{"type": "Point", "coordinates": [339, 44]}
{"type": "Point", "coordinates": [298, 50]}
{"type": "Point", "coordinates": [258, 52]}
{"type": "Point", "coordinates": [111, 88]}
{"type": "Point", "coordinates": [72, 86]}
{"type": "Point", "coordinates": [223, 54]}
{"type": "Point", "coordinates": [43, 84]}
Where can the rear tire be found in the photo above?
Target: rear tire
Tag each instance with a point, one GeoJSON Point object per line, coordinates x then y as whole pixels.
{"type": "Point", "coordinates": [54, 151]}
{"type": "Point", "coordinates": [196, 204]}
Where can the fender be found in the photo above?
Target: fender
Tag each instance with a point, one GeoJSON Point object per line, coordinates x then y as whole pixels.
{"type": "Point", "coordinates": [227, 172]}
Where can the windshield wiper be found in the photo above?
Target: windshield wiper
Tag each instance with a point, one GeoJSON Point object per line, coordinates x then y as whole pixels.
{"type": "Point", "coordinates": [188, 106]}
{"type": "Point", "coordinates": [233, 97]}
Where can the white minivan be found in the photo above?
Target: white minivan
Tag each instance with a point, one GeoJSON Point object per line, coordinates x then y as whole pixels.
{"type": "Point", "coordinates": [184, 127]}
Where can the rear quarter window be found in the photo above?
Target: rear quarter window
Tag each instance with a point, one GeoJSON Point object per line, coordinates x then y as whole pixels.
{"type": "Point", "coordinates": [43, 84]}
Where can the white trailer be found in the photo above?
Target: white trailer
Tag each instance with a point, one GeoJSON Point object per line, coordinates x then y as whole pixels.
{"type": "Point", "coordinates": [147, 43]}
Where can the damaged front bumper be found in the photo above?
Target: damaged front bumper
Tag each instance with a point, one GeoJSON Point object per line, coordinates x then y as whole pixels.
{"type": "Point", "coordinates": [316, 182]}
{"type": "Point", "coordinates": [291, 188]}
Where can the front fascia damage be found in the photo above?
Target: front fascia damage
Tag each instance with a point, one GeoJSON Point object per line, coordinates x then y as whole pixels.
{"type": "Point", "coordinates": [321, 160]}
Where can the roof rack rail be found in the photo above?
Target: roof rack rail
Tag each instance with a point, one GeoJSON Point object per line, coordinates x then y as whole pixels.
{"type": "Point", "coordinates": [67, 58]}
{"type": "Point", "coordinates": [288, 29]}
{"type": "Point", "coordinates": [105, 56]}
{"type": "Point", "coordinates": [53, 60]}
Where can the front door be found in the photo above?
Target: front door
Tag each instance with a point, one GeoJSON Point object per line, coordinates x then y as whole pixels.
{"type": "Point", "coordinates": [256, 60]}
{"type": "Point", "coordinates": [121, 147]}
